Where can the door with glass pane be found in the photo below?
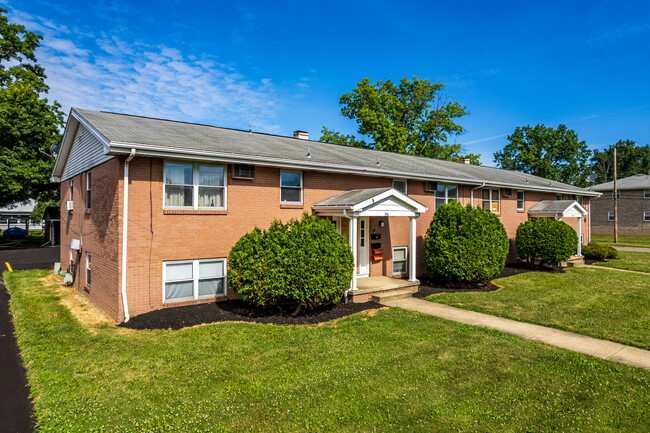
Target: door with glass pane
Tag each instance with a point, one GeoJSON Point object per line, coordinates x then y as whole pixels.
{"type": "Point", "coordinates": [363, 257]}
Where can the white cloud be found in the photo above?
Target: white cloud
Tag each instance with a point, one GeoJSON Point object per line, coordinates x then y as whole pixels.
{"type": "Point", "coordinates": [104, 72]}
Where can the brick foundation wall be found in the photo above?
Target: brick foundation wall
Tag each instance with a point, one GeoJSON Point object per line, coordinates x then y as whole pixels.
{"type": "Point", "coordinates": [631, 206]}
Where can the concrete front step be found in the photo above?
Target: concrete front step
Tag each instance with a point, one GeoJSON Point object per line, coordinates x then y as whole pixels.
{"type": "Point", "coordinates": [575, 263]}
{"type": "Point", "coordinates": [392, 295]}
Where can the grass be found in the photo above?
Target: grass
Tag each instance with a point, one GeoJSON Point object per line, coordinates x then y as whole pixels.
{"type": "Point", "coordinates": [629, 260]}
{"type": "Point", "coordinates": [594, 302]}
{"type": "Point", "coordinates": [34, 239]}
{"type": "Point", "coordinates": [392, 370]}
{"type": "Point", "coordinates": [624, 241]}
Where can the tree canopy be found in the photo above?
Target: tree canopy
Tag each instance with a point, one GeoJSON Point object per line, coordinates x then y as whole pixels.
{"type": "Point", "coordinates": [412, 117]}
{"type": "Point", "coordinates": [553, 153]}
{"type": "Point", "coordinates": [630, 160]}
{"type": "Point", "coordinates": [27, 120]}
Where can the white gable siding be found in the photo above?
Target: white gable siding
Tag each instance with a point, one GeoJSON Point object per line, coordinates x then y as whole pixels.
{"type": "Point", "coordinates": [86, 152]}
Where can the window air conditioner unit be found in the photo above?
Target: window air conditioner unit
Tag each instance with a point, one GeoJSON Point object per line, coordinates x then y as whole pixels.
{"type": "Point", "coordinates": [507, 192]}
{"type": "Point", "coordinates": [69, 205]}
{"type": "Point", "coordinates": [244, 171]}
{"type": "Point", "coordinates": [431, 186]}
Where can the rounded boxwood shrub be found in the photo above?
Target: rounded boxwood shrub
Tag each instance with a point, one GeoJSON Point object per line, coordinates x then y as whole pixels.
{"type": "Point", "coordinates": [597, 251]}
{"type": "Point", "coordinates": [465, 244]}
{"type": "Point", "coordinates": [304, 263]}
{"type": "Point", "coordinates": [549, 240]}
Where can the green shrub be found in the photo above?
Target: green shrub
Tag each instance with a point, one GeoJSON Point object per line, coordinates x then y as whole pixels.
{"type": "Point", "coordinates": [597, 251]}
{"type": "Point", "coordinates": [304, 263]}
{"type": "Point", "coordinates": [549, 240]}
{"type": "Point", "coordinates": [465, 244]}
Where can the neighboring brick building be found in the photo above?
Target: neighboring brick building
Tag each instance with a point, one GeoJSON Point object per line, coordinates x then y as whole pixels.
{"type": "Point", "coordinates": [633, 207]}
{"type": "Point", "coordinates": [194, 190]}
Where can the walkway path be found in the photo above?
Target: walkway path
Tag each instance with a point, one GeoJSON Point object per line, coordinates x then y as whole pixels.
{"type": "Point", "coordinates": [614, 269]}
{"type": "Point", "coordinates": [578, 343]}
{"type": "Point", "coordinates": [634, 249]}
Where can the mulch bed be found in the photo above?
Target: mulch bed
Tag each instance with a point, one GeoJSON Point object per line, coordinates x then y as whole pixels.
{"type": "Point", "coordinates": [237, 310]}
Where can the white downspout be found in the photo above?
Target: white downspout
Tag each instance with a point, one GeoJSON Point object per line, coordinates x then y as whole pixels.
{"type": "Point", "coordinates": [471, 193]}
{"type": "Point", "coordinates": [125, 219]}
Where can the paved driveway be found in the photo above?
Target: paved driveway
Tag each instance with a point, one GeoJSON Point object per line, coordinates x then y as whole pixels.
{"type": "Point", "coordinates": [15, 406]}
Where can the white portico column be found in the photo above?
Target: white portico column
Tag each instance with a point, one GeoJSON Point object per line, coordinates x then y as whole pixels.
{"type": "Point", "coordinates": [580, 235]}
{"type": "Point", "coordinates": [412, 247]}
{"type": "Point", "coordinates": [353, 246]}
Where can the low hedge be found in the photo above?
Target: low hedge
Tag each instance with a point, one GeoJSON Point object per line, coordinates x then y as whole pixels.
{"type": "Point", "coordinates": [465, 244]}
{"type": "Point", "coordinates": [598, 251]}
{"type": "Point", "coordinates": [549, 240]}
{"type": "Point", "coordinates": [303, 263]}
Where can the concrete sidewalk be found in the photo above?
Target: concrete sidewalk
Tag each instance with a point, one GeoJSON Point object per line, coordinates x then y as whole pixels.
{"type": "Point", "coordinates": [578, 343]}
{"type": "Point", "coordinates": [634, 249]}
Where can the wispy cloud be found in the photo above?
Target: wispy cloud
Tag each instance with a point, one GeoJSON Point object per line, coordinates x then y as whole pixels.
{"type": "Point", "coordinates": [109, 73]}
{"type": "Point", "coordinates": [481, 140]}
{"type": "Point", "coordinates": [620, 33]}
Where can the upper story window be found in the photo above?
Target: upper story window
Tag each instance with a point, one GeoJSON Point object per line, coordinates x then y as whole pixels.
{"type": "Point", "coordinates": [446, 194]}
{"type": "Point", "coordinates": [88, 192]}
{"type": "Point", "coordinates": [492, 200]}
{"type": "Point", "coordinates": [521, 204]}
{"type": "Point", "coordinates": [71, 189]}
{"type": "Point", "coordinates": [558, 196]}
{"type": "Point", "coordinates": [400, 185]}
{"type": "Point", "coordinates": [646, 193]}
{"type": "Point", "coordinates": [291, 187]}
{"type": "Point", "coordinates": [578, 198]}
{"type": "Point", "coordinates": [610, 216]}
{"type": "Point", "coordinates": [197, 186]}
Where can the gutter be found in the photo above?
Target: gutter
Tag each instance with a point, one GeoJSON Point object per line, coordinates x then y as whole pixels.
{"type": "Point", "coordinates": [125, 226]}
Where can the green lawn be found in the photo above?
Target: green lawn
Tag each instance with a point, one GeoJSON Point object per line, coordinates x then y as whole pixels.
{"type": "Point", "coordinates": [624, 241]}
{"type": "Point", "coordinates": [599, 303]}
{"type": "Point", "coordinates": [392, 371]}
{"type": "Point", "coordinates": [629, 260]}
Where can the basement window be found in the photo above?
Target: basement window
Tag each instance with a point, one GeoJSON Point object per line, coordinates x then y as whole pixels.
{"type": "Point", "coordinates": [399, 260]}
{"type": "Point", "coordinates": [646, 193]}
{"type": "Point", "coordinates": [193, 279]}
{"type": "Point", "coordinates": [610, 216]}
{"type": "Point", "coordinates": [646, 216]}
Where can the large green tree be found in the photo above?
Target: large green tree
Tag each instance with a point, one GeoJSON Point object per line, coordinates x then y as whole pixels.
{"type": "Point", "coordinates": [411, 117]}
{"type": "Point", "coordinates": [553, 153]}
{"type": "Point", "coordinates": [630, 160]}
{"type": "Point", "coordinates": [27, 120]}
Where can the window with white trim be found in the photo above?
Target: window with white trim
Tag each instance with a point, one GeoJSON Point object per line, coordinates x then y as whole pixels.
{"type": "Point", "coordinates": [446, 194]}
{"type": "Point", "coordinates": [521, 203]}
{"type": "Point", "coordinates": [291, 187]}
{"type": "Point", "coordinates": [491, 200]}
{"type": "Point", "coordinates": [88, 279]}
{"type": "Point", "coordinates": [610, 216]}
{"type": "Point", "coordinates": [72, 189]}
{"type": "Point", "coordinates": [646, 193]}
{"type": "Point", "coordinates": [196, 186]}
{"type": "Point", "coordinates": [646, 216]}
{"type": "Point", "coordinates": [400, 185]}
{"type": "Point", "coordinates": [194, 279]}
{"type": "Point", "coordinates": [88, 191]}
{"type": "Point", "coordinates": [399, 260]}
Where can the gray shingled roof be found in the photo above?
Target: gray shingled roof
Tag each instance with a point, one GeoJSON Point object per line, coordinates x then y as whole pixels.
{"type": "Point", "coordinates": [181, 137]}
{"type": "Point", "coordinates": [547, 206]}
{"type": "Point", "coordinates": [351, 197]}
{"type": "Point", "coordinates": [638, 181]}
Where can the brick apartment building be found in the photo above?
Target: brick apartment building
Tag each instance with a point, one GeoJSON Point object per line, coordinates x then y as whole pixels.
{"type": "Point", "coordinates": [633, 207]}
{"type": "Point", "coordinates": [189, 192]}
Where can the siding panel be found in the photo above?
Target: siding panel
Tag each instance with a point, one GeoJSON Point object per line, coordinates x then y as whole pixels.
{"type": "Point", "coordinates": [86, 152]}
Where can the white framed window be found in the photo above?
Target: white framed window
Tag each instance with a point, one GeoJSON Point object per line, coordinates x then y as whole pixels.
{"type": "Point", "coordinates": [194, 185]}
{"type": "Point", "coordinates": [337, 223]}
{"type": "Point", "coordinates": [446, 194]}
{"type": "Point", "coordinates": [491, 200]}
{"type": "Point", "coordinates": [646, 216]}
{"type": "Point", "coordinates": [193, 279]}
{"type": "Point", "coordinates": [72, 189]}
{"type": "Point", "coordinates": [521, 203]}
{"type": "Point", "coordinates": [400, 185]}
{"type": "Point", "coordinates": [399, 260]}
{"type": "Point", "coordinates": [618, 194]}
{"type": "Point", "coordinates": [88, 190]}
{"type": "Point", "coordinates": [88, 275]}
{"type": "Point", "coordinates": [646, 193]}
{"type": "Point", "coordinates": [610, 216]}
{"type": "Point", "coordinates": [291, 187]}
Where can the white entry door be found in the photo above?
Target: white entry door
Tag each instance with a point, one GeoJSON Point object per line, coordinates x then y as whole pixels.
{"type": "Point", "coordinates": [363, 256]}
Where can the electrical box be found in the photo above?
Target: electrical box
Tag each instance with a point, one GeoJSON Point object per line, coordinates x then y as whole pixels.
{"type": "Point", "coordinates": [75, 244]}
{"type": "Point", "coordinates": [69, 205]}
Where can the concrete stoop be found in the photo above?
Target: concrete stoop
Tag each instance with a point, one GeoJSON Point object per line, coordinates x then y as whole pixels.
{"type": "Point", "coordinates": [391, 295]}
{"type": "Point", "coordinates": [575, 262]}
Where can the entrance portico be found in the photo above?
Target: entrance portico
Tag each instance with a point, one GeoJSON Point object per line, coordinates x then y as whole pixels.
{"type": "Point", "coordinates": [357, 206]}
{"type": "Point", "coordinates": [561, 209]}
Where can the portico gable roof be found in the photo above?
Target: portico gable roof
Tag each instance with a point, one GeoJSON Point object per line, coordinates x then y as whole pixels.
{"type": "Point", "coordinates": [557, 208]}
{"type": "Point", "coordinates": [370, 202]}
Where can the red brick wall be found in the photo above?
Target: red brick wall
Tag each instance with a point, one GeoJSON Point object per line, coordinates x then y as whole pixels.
{"type": "Point", "coordinates": [98, 231]}
{"type": "Point", "coordinates": [156, 235]}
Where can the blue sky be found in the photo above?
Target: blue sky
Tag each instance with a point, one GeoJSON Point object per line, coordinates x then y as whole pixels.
{"type": "Point", "coordinates": [281, 66]}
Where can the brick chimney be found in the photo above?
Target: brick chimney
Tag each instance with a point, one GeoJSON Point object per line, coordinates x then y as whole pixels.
{"type": "Point", "coordinates": [465, 161]}
{"type": "Point", "coordinates": [301, 135]}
